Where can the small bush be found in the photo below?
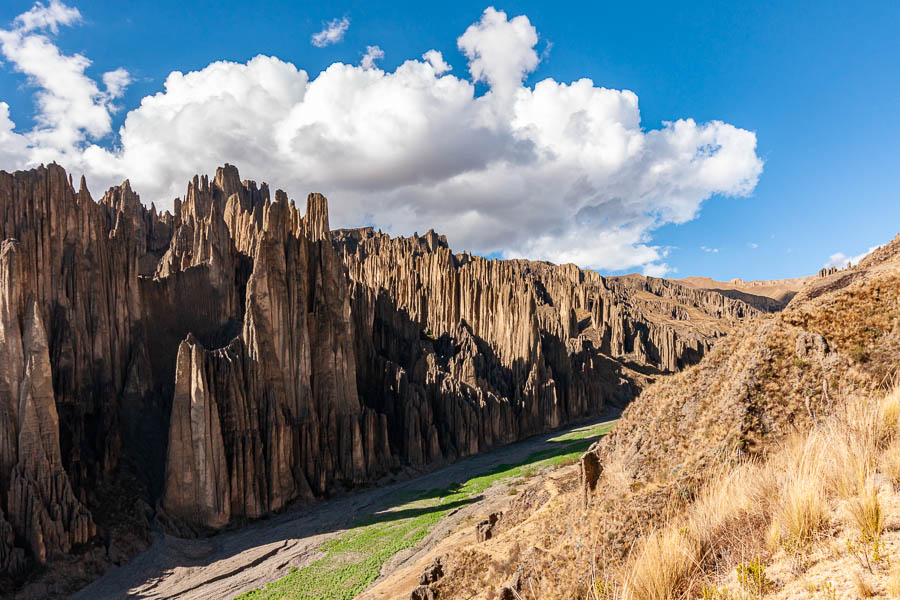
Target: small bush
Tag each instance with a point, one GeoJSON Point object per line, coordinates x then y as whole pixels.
{"type": "Point", "coordinates": [828, 592]}
{"type": "Point", "coordinates": [859, 354]}
{"type": "Point", "coordinates": [708, 592]}
{"type": "Point", "coordinates": [752, 577]}
{"type": "Point", "coordinates": [867, 551]}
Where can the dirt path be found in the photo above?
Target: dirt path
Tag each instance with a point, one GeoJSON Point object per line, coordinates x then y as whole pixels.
{"type": "Point", "coordinates": [231, 563]}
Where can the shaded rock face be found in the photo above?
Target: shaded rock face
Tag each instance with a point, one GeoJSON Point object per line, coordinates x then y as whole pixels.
{"type": "Point", "coordinates": [237, 356]}
{"type": "Point", "coordinates": [463, 353]}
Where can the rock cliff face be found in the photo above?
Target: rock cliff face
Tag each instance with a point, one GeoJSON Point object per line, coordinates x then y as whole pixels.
{"type": "Point", "coordinates": [464, 353]}
{"type": "Point", "coordinates": [237, 356]}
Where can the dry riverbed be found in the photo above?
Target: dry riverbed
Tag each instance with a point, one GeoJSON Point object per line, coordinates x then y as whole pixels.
{"type": "Point", "coordinates": [339, 548]}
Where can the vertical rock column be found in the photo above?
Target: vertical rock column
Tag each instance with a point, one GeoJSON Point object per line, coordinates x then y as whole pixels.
{"type": "Point", "coordinates": [39, 503]}
{"type": "Point", "coordinates": [275, 415]}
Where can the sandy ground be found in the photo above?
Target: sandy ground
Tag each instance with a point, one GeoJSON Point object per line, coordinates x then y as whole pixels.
{"type": "Point", "coordinates": [231, 563]}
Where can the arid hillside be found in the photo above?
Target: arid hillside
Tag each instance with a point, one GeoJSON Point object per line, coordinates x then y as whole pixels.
{"type": "Point", "coordinates": [769, 296]}
{"type": "Point", "coordinates": [767, 464]}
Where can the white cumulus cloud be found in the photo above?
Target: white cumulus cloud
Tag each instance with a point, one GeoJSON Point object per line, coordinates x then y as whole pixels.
{"type": "Point", "coordinates": [116, 82]}
{"type": "Point", "coordinates": [560, 171]}
{"type": "Point", "coordinates": [372, 54]}
{"type": "Point", "coordinates": [331, 33]}
{"type": "Point", "coordinates": [47, 17]}
{"type": "Point", "coordinates": [437, 62]}
{"type": "Point", "coordinates": [70, 105]}
{"type": "Point", "coordinates": [500, 50]}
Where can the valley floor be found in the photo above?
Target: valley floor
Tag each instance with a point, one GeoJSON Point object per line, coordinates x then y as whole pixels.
{"type": "Point", "coordinates": [338, 548]}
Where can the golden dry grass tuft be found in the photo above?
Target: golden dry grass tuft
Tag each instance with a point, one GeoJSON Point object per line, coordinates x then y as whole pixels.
{"type": "Point", "coordinates": [800, 509]}
{"type": "Point", "coordinates": [665, 562]}
{"type": "Point", "coordinates": [789, 499]}
{"type": "Point", "coordinates": [866, 513]}
{"type": "Point", "coordinates": [862, 585]}
{"type": "Point", "coordinates": [890, 464]}
{"type": "Point", "coordinates": [890, 410]}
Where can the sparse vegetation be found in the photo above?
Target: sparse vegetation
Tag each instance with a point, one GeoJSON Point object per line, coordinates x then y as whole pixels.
{"type": "Point", "coordinates": [795, 495]}
{"type": "Point", "coordinates": [752, 577]}
{"type": "Point", "coordinates": [709, 592]}
{"type": "Point", "coordinates": [827, 591]}
{"type": "Point", "coordinates": [351, 561]}
{"type": "Point", "coordinates": [893, 583]}
{"type": "Point", "coordinates": [863, 587]}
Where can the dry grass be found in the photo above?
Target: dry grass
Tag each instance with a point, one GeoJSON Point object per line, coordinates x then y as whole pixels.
{"type": "Point", "coordinates": [890, 410]}
{"type": "Point", "coordinates": [890, 464]}
{"type": "Point", "coordinates": [893, 584]}
{"type": "Point", "coordinates": [665, 562]}
{"type": "Point", "coordinates": [800, 511]}
{"type": "Point", "coordinates": [787, 499]}
{"type": "Point", "coordinates": [866, 513]}
{"type": "Point", "coordinates": [863, 587]}
{"type": "Point", "coordinates": [764, 440]}
{"type": "Point", "coordinates": [717, 528]}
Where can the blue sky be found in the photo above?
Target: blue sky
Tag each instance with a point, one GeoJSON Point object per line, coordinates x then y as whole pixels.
{"type": "Point", "coordinates": [817, 82]}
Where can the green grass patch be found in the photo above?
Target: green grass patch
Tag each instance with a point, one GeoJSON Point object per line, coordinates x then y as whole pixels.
{"type": "Point", "coordinates": [351, 561]}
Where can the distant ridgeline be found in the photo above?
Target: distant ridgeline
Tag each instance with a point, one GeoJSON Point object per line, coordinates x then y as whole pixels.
{"type": "Point", "coordinates": [220, 363]}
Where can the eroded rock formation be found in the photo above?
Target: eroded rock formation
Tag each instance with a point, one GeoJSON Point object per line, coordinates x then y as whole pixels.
{"type": "Point", "coordinates": [464, 353]}
{"type": "Point", "coordinates": [237, 356]}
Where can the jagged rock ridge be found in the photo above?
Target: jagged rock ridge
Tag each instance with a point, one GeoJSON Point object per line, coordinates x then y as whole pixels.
{"type": "Point", "coordinates": [461, 341]}
{"type": "Point", "coordinates": [236, 356]}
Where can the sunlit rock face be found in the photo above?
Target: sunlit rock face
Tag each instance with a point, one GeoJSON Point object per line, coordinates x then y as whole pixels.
{"type": "Point", "coordinates": [214, 365]}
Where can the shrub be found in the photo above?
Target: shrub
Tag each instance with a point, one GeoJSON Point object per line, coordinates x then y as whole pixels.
{"type": "Point", "coordinates": [752, 577]}
{"type": "Point", "coordinates": [828, 592]}
{"type": "Point", "coordinates": [714, 593]}
{"type": "Point", "coordinates": [859, 354]}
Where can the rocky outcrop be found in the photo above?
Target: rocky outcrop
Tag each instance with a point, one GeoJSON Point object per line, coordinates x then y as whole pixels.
{"type": "Point", "coordinates": [68, 310]}
{"type": "Point", "coordinates": [464, 353]}
{"type": "Point", "coordinates": [484, 529]}
{"type": "Point", "coordinates": [233, 357]}
{"type": "Point", "coordinates": [274, 416]}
